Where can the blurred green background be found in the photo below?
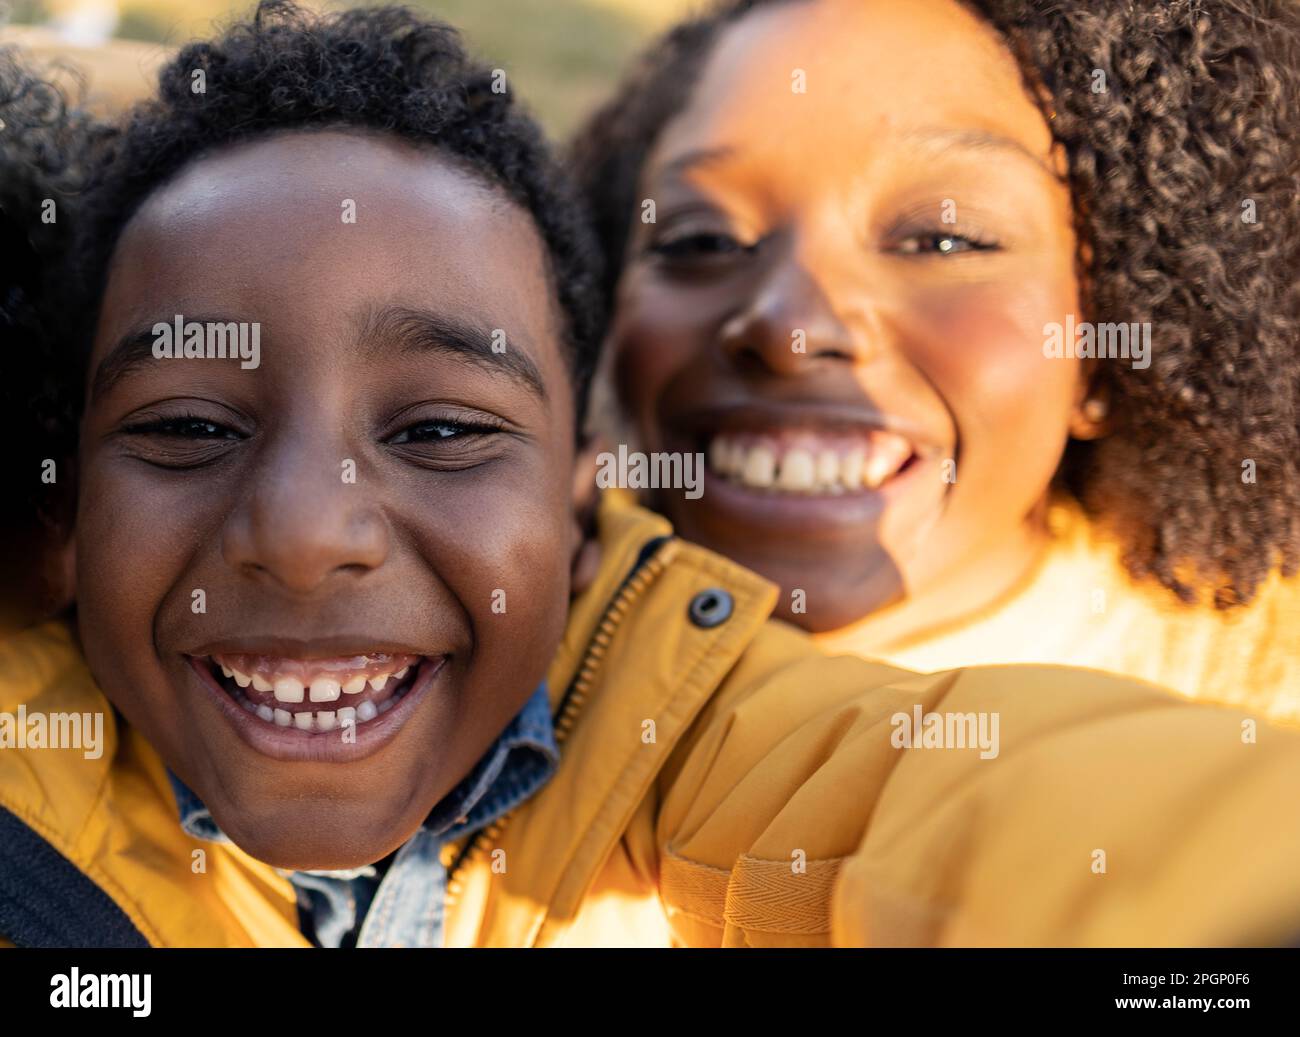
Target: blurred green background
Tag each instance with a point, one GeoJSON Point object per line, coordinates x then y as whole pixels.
{"type": "Point", "coordinates": [564, 56]}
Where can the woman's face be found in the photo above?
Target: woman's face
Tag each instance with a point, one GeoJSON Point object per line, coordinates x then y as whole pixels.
{"type": "Point", "coordinates": [859, 234]}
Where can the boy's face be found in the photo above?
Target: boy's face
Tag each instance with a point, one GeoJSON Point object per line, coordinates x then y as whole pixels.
{"type": "Point", "coordinates": [373, 526]}
{"type": "Point", "coordinates": [857, 242]}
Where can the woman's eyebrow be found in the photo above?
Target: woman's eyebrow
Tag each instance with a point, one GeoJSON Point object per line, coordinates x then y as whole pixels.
{"type": "Point", "coordinates": [411, 330]}
{"type": "Point", "coordinates": [975, 140]}
{"type": "Point", "coordinates": [695, 159]}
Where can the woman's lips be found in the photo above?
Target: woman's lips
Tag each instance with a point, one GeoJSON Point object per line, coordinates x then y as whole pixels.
{"type": "Point", "coordinates": [809, 462]}
{"type": "Point", "coordinates": [799, 480]}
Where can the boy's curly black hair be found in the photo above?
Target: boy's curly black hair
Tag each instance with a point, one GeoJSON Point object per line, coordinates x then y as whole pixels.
{"type": "Point", "coordinates": [1200, 122]}
{"type": "Point", "coordinates": [386, 69]}
{"type": "Point", "coordinates": [44, 151]}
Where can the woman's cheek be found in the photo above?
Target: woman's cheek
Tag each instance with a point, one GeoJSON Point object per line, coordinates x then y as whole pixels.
{"type": "Point", "coordinates": [658, 332]}
{"type": "Point", "coordinates": [982, 347]}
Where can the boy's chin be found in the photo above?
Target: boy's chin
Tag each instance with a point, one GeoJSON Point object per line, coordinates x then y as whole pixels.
{"type": "Point", "coordinates": [329, 838]}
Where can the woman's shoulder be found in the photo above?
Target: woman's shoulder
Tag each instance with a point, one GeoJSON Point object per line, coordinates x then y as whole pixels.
{"type": "Point", "coordinates": [1083, 608]}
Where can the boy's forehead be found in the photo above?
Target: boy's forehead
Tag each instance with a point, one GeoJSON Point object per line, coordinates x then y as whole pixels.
{"type": "Point", "coordinates": [313, 226]}
{"type": "Point", "coordinates": [310, 187]}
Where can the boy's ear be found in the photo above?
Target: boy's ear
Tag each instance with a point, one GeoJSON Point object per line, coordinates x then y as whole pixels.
{"type": "Point", "coordinates": [63, 572]}
{"type": "Point", "coordinates": [584, 554]}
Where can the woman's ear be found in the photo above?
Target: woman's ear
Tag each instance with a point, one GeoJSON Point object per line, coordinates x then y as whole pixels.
{"type": "Point", "coordinates": [1090, 415]}
{"type": "Point", "coordinates": [584, 554]}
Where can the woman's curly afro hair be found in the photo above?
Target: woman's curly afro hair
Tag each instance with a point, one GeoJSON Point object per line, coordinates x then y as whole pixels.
{"type": "Point", "coordinates": [1199, 473]}
{"type": "Point", "coordinates": [384, 69]}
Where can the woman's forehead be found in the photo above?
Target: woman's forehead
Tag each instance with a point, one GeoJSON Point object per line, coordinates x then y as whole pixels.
{"type": "Point", "coordinates": [807, 81]}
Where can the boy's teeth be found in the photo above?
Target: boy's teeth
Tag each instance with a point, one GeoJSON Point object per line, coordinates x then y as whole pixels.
{"type": "Point", "coordinates": [288, 689]}
{"type": "Point", "coordinates": [325, 690]}
{"type": "Point", "coordinates": [801, 469]}
{"type": "Point", "coordinates": [293, 683]}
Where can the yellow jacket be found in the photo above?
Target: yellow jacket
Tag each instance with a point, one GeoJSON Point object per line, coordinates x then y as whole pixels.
{"type": "Point", "coordinates": [724, 782]}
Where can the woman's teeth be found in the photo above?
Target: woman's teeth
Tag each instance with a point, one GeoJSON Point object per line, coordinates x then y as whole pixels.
{"type": "Point", "coordinates": [370, 685]}
{"type": "Point", "coordinates": [807, 467]}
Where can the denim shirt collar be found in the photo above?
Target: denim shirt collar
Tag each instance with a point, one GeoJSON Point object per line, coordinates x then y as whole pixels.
{"type": "Point", "coordinates": [520, 762]}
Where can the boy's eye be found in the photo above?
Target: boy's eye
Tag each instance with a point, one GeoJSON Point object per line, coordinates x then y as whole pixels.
{"type": "Point", "coordinates": [445, 443]}
{"type": "Point", "coordinates": [183, 428]}
{"type": "Point", "coordinates": [942, 243]}
{"type": "Point", "coordinates": [433, 432]}
{"type": "Point", "coordinates": [181, 441]}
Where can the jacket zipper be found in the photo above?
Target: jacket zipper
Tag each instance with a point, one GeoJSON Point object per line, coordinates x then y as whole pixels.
{"type": "Point", "coordinates": [575, 697]}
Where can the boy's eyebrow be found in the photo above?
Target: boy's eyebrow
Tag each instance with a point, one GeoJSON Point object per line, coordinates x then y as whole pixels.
{"type": "Point", "coordinates": [414, 330]}
{"type": "Point", "coordinates": [134, 350]}
{"type": "Point", "coordinates": [418, 331]}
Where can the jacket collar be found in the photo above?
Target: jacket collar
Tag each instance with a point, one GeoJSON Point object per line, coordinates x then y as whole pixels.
{"type": "Point", "coordinates": [641, 668]}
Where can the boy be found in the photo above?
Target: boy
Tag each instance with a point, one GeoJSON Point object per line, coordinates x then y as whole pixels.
{"type": "Point", "coordinates": [328, 597]}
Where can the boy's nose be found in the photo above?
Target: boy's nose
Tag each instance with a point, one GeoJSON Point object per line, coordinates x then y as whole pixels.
{"type": "Point", "coordinates": [304, 522]}
{"type": "Point", "coordinates": [790, 326]}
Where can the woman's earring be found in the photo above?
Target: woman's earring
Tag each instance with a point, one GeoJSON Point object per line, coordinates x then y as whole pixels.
{"type": "Point", "coordinates": [1095, 410]}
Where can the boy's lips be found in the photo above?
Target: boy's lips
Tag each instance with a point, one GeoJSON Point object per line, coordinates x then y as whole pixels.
{"type": "Point", "coordinates": [317, 708]}
{"type": "Point", "coordinates": [316, 694]}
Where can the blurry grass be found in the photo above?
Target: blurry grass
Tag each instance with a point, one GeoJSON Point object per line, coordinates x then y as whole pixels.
{"type": "Point", "coordinates": [563, 56]}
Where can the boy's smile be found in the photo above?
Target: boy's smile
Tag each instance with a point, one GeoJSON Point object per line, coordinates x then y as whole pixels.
{"type": "Point", "coordinates": [322, 587]}
{"type": "Point", "coordinates": [326, 708]}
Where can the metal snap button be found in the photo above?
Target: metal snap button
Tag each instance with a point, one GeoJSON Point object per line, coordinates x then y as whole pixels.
{"type": "Point", "coordinates": [711, 607]}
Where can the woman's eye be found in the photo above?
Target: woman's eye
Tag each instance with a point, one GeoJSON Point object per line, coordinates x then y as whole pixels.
{"type": "Point", "coordinates": [698, 245]}
{"type": "Point", "coordinates": [942, 244]}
